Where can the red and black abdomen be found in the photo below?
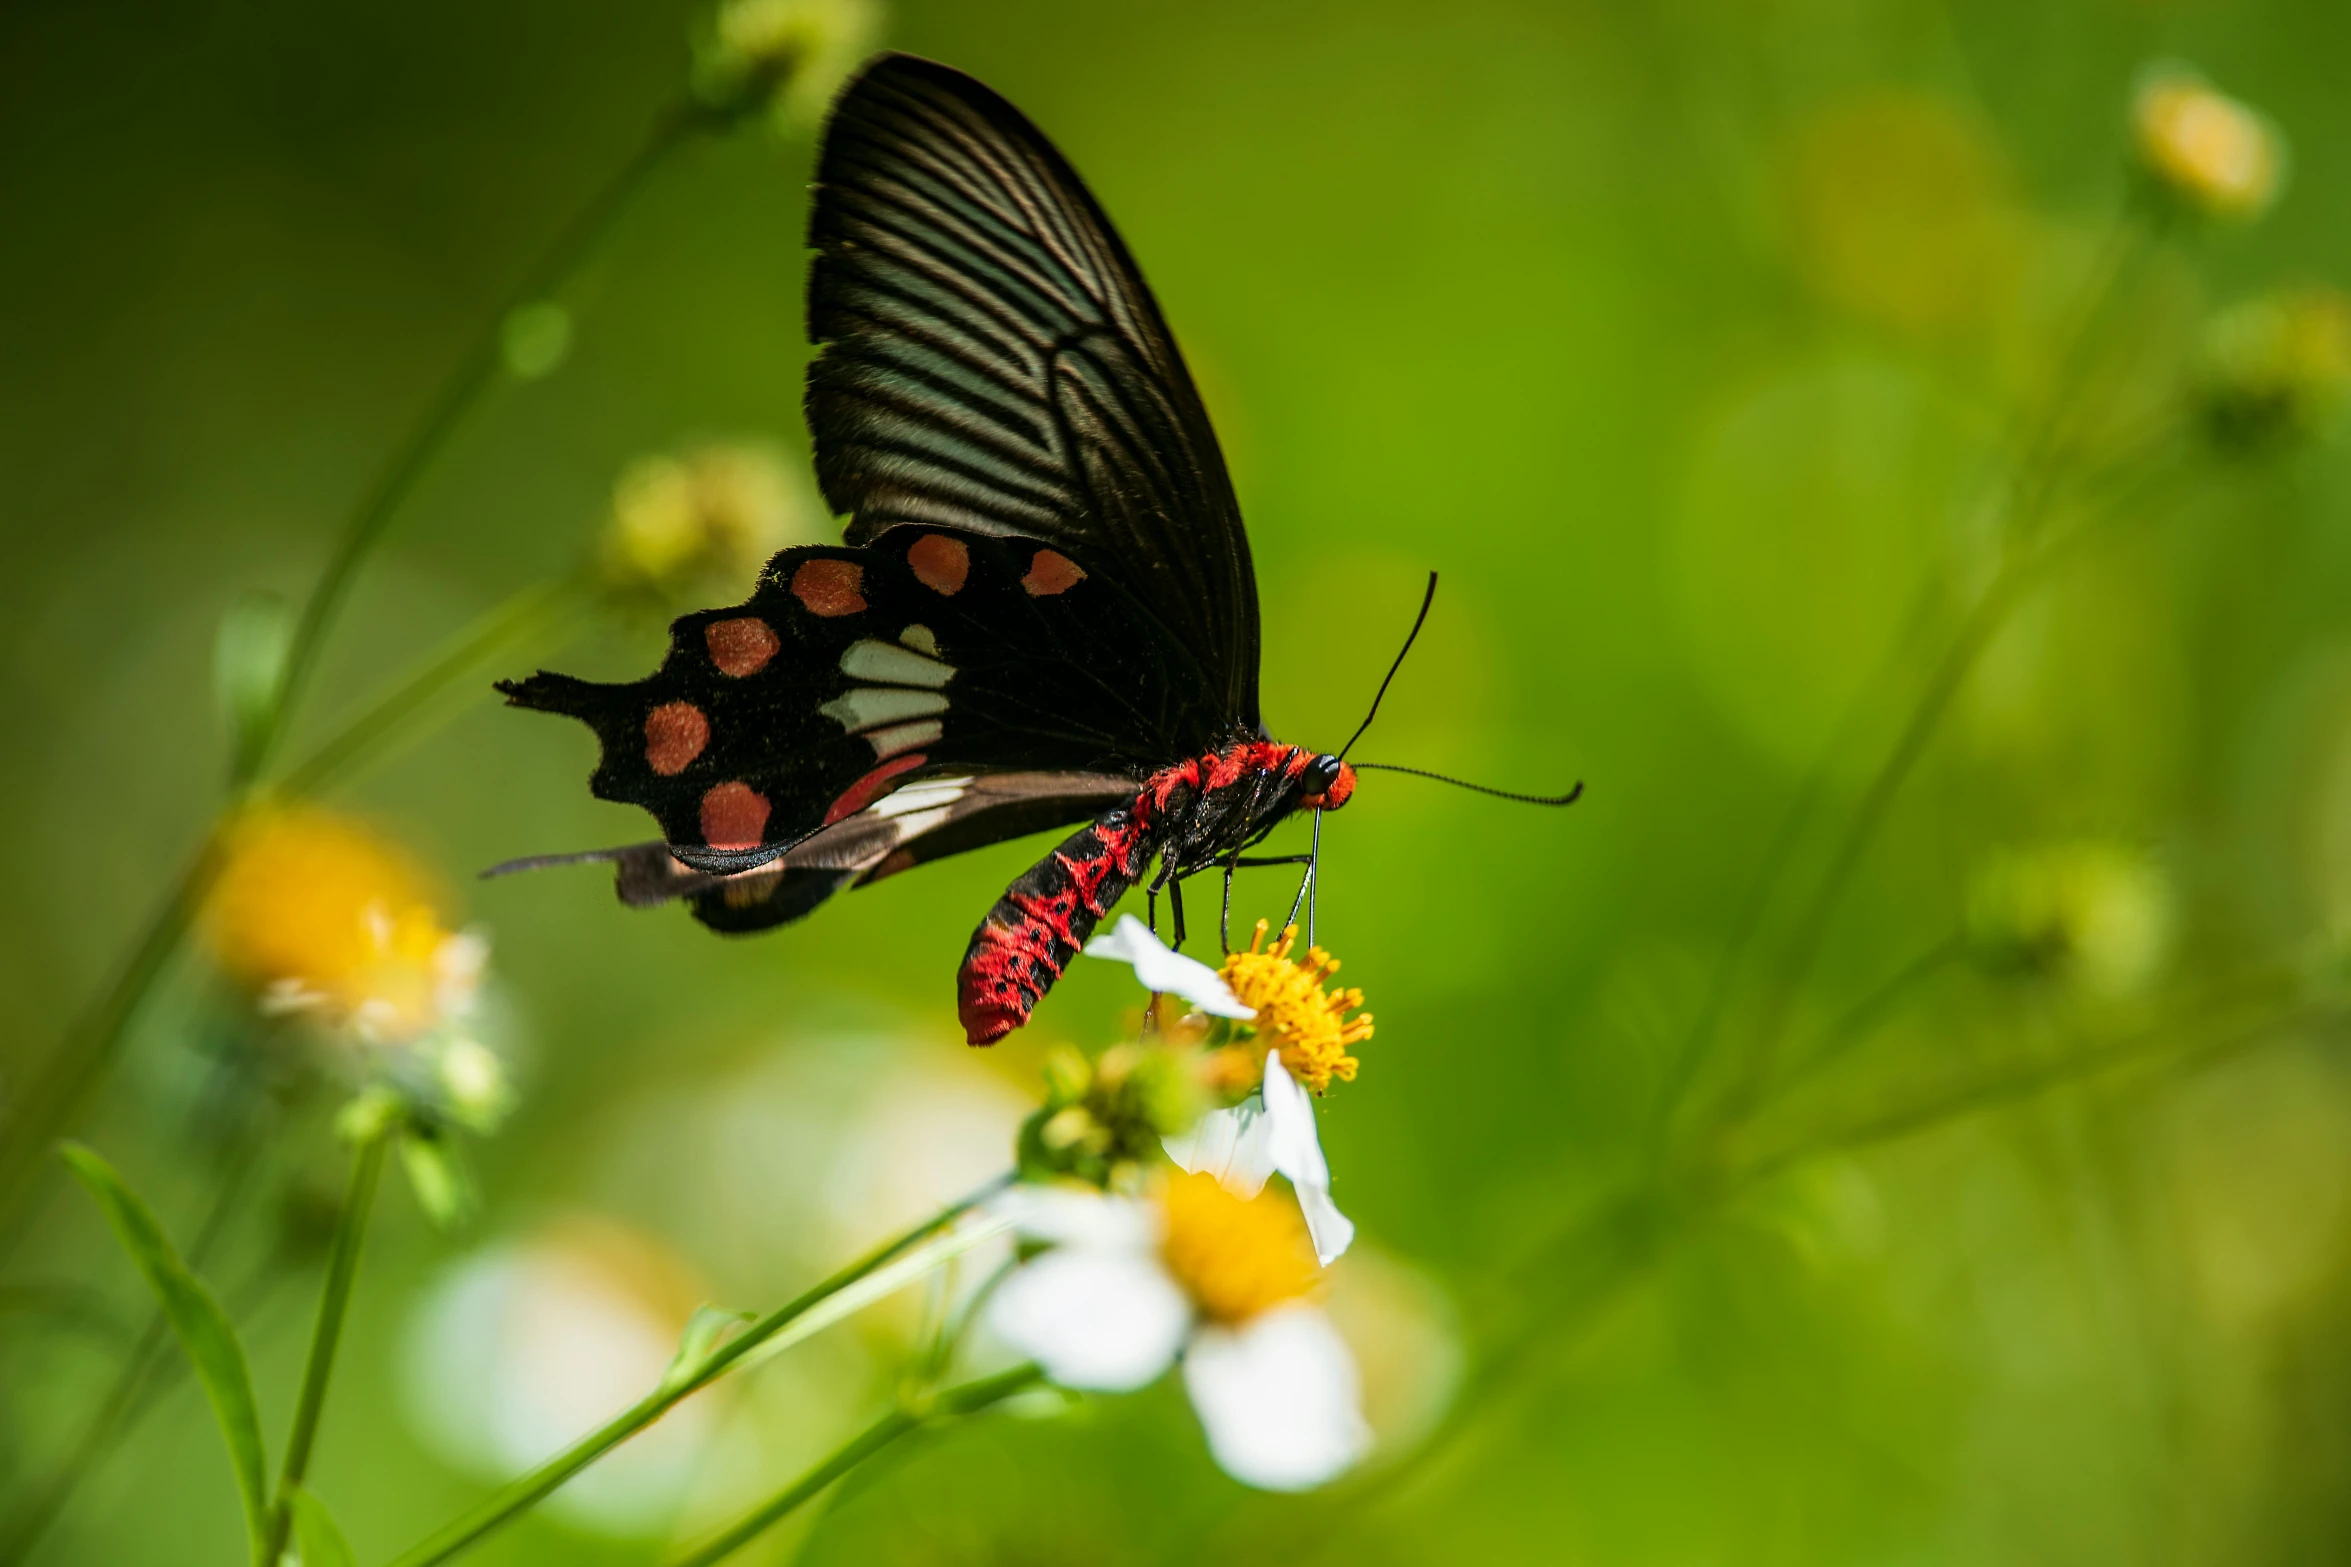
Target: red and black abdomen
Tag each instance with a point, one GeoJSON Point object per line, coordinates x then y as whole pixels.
{"type": "Point", "coordinates": [1043, 919]}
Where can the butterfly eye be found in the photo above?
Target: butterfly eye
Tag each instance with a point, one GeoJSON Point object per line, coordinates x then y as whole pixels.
{"type": "Point", "coordinates": [1320, 781]}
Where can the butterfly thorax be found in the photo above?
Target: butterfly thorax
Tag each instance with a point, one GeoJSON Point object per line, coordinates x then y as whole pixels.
{"type": "Point", "coordinates": [1190, 816]}
{"type": "Point", "coordinates": [1209, 807]}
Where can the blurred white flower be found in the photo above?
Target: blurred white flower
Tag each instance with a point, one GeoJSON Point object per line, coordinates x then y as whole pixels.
{"type": "Point", "coordinates": [524, 1347]}
{"type": "Point", "coordinates": [1226, 1283]}
{"type": "Point", "coordinates": [1271, 1131]}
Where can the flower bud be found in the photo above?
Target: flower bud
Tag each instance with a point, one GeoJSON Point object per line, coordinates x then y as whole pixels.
{"type": "Point", "coordinates": [471, 1084]}
{"type": "Point", "coordinates": [2203, 151]}
{"type": "Point", "coordinates": [1103, 1121]}
{"type": "Point", "coordinates": [699, 525]}
{"type": "Point", "coordinates": [2094, 914]}
{"type": "Point", "coordinates": [2274, 370]}
{"type": "Point", "coordinates": [781, 57]}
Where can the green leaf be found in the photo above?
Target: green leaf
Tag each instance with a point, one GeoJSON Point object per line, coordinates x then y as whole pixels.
{"type": "Point", "coordinates": [437, 1174]}
{"type": "Point", "coordinates": [249, 664]}
{"type": "Point", "coordinates": [315, 1534]}
{"type": "Point", "coordinates": [704, 1330]}
{"type": "Point", "coordinates": [203, 1329]}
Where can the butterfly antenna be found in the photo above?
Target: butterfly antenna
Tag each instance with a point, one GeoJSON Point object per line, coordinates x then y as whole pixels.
{"type": "Point", "coordinates": [1568, 798]}
{"type": "Point", "coordinates": [1426, 599]}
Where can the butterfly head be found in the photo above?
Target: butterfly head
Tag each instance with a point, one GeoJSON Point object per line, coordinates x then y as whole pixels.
{"type": "Point", "coordinates": [1326, 784]}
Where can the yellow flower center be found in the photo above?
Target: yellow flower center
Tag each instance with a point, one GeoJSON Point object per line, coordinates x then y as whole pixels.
{"type": "Point", "coordinates": [1235, 1257]}
{"type": "Point", "coordinates": [1295, 1015]}
{"type": "Point", "coordinates": [316, 913]}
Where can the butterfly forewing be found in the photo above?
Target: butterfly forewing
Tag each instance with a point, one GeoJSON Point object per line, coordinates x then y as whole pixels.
{"type": "Point", "coordinates": [992, 360]}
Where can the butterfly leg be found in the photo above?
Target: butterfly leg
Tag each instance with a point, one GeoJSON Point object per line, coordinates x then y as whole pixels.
{"type": "Point", "coordinates": [1175, 904]}
{"type": "Point", "coordinates": [1224, 918]}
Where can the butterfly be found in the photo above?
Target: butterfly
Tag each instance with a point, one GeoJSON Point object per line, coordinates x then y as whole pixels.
{"type": "Point", "coordinates": [1043, 613]}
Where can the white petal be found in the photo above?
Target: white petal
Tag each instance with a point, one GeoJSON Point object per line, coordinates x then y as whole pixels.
{"type": "Point", "coordinates": [1279, 1399]}
{"type": "Point", "coordinates": [1235, 1146]}
{"type": "Point", "coordinates": [1081, 1219]}
{"type": "Point", "coordinates": [1295, 1149]}
{"type": "Point", "coordinates": [1107, 1321]}
{"type": "Point", "coordinates": [1171, 973]}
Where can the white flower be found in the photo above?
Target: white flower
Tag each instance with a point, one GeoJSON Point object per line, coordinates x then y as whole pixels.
{"type": "Point", "coordinates": [1168, 973]}
{"type": "Point", "coordinates": [1272, 1130]}
{"type": "Point", "coordinates": [1130, 1284]}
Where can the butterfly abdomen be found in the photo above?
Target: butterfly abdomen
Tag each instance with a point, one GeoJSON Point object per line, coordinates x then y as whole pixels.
{"type": "Point", "coordinates": [1043, 919]}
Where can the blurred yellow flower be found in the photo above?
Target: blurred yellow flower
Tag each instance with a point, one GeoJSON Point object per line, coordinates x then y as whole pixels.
{"type": "Point", "coordinates": [1294, 1016]}
{"type": "Point", "coordinates": [701, 522]}
{"type": "Point", "coordinates": [1900, 212]}
{"type": "Point", "coordinates": [785, 56]}
{"type": "Point", "coordinates": [2208, 152]}
{"type": "Point", "coordinates": [1235, 1257]}
{"type": "Point", "coordinates": [2097, 913]}
{"type": "Point", "coordinates": [2277, 367]}
{"type": "Point", "coordinates": [317, 914]}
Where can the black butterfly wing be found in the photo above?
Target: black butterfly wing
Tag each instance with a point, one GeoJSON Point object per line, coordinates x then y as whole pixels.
{"type": "Point", "coordinates": [853, 670]}
{"type": "Point", "coordinates": [918, 823]}
{"type": "Point", "coordinates": [992, 361]}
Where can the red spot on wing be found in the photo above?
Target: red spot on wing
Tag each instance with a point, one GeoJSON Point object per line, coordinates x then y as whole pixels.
{"type": "Point", "coordinates": [740, 647]}
{"type": "Point", "coordinates": [861, 794]}
{"type": "Point", "coordinates": [830, 588]}
{"type": "Point", "coordinates": [734, 816]}
{"type": "Point", "coordinates": [939, 563]}
{"type": "Point", "coordinates": [1050, 573]}
{"type": "Point", "coordinates": [675, 733]}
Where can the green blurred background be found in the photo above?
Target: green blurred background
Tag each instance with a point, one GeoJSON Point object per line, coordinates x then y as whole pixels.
{"type": "Point", "coordinates": [1685, 339]}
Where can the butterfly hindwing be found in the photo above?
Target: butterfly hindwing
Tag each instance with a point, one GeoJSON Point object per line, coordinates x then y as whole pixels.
{"type": "Point", "coordinates": [992, 360]}
{"type": "Point", "coordinates": [918, 823]}
{"type": "Point", "coordinates": [855, 669]}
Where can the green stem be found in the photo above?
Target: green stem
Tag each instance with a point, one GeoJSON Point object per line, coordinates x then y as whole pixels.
{"type": "Point", "coordinates": [519, 1496]}
{"type": "Point", "coordinates": [969, 1399]}
{"type": "Point", "coordinates": [65, 1080]}
{"type": "Point", "coordinates": [334, 1302]}
{"type": "Point", "coordinates": [528, 616]}
{"type": "Point", "coordinates": [56, 1095]}
{"type": "Point", "coordinates": [1856, 1027]}
{"type": "Point", "coordinates": [473, 376]}
{"type": "Point", "coordinates": [125, 1400]}
{"type": "Point", "coordinates": [2028, 1082]}
{"type": "Point", "coordinates": [1975, 634]}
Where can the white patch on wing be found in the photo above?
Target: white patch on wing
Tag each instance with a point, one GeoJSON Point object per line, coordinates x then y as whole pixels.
{"type": "Point", "coordinates": [921, 796]}
{"type": "Point", "coordinates": [922, 639]}
{"type": "Point", "coordinates": [892, 665]}
{"type": "Point", "coordinates": [868, 707]}
{"type": "Point", "coordinates": [903, 737]}
{"type": "Point", "coordinates": [920, 822]}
